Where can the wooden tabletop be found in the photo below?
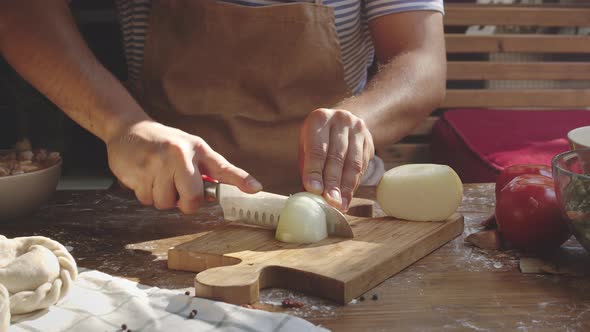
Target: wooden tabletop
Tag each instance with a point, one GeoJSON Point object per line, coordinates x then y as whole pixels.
{"type": "Point", "coordinates": [457, 287]}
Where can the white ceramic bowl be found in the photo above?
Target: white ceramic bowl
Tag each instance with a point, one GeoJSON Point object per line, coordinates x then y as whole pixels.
{"type": "Point", "coordinates": [22, 194]}
{"type": "Point", "coordinates": [579, 138]}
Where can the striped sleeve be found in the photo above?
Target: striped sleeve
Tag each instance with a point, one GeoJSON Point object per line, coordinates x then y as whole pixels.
{"type": "Point", "coordinates": [134, 19]}
{"type": "Point", "coordinates": [376, 8]}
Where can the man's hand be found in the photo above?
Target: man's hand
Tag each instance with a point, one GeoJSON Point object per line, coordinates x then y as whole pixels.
{"type": "Point", "coordinates": [336, 145]}
{"type": "Point", "coordinates": [163, 166]}
{"type": "Point", "coordinates": [335, 149]}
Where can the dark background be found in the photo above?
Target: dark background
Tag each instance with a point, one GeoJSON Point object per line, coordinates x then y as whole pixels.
{"type": "Point", "coordinates": [25, 112]}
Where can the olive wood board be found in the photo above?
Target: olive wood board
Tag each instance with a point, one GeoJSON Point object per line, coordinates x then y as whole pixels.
{"type": "Point", "coordinates": [235, 261]}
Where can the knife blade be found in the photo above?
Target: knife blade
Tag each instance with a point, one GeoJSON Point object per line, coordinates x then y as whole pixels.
{"type": "Point", "coordinates": [264, 208]}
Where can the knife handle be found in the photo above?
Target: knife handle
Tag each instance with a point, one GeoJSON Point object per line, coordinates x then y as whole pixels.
{"type": "Point", "coordinates": [210, 188]}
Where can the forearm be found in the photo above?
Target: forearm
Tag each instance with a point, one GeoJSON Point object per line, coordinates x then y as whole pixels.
{"type": "Point", "coordinates": [39, 39]}
{"type": "Point", "coordinates": [400, 96]}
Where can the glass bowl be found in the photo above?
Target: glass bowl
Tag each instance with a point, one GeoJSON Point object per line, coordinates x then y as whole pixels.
{"type": "Point", "coordinates": [571, 174]}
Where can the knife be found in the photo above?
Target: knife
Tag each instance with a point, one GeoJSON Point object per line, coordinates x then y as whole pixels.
{"type": "Point", "coordinates": [264, 208]}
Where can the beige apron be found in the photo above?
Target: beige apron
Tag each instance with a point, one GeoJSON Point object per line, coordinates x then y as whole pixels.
{"type": "Point", "coordinates": [242, 78]}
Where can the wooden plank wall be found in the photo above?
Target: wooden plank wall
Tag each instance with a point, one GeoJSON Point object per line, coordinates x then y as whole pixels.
{"type": "Point", "coordinates": [416, 149]}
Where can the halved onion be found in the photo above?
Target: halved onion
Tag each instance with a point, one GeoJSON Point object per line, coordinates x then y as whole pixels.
{"type": "Point", "coordinates": [303, 220]}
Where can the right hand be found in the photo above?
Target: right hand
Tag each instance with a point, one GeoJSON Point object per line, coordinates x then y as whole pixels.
{"type": "Point", "coordinates": [163, 166]}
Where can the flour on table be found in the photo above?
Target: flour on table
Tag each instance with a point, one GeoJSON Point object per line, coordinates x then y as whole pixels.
{"type": "Point", "coordinates": [312, 306]}
{"type": "Point", "coordinates": [4, 308]}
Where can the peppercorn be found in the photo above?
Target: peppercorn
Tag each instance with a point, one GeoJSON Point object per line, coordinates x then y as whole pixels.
{"type": "Point", "coordinates": [123, 327]}
{"type": "Point", "coordinates": [187, 293]}
{"type": "Point", "coordinates": [291, 303]}
{"type": "Point", "coordinates": [192, 314]}
{"type": "Point", "coordinates": [375, 297]}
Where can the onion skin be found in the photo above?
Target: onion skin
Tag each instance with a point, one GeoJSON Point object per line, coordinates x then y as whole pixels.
{"type": "Point", "coordinates": [513, 171]}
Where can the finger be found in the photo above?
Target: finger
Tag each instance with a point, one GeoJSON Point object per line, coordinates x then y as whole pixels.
{"type": "Point", "coordinates": [222, 170]}
{"type": "Point", "coordinates": [370, 146]}
{"type": "Point", "coordinates": [189, 185]}
{"type": "Point", "coordinates": [315, 136]}
{"type": "Point", "coordinates": [369, 152]}
{"type": "Point", "coordinates": [127, 182]}
{"type": "Point", "coordinates": [164, 192]}
{"type": "Point", "coordinates": [334, 165]}
{"type": "Point", "coordinates": [143, 192]}
{"type": "Point", "coordinates": [354, 166]}
{"type": "Point", "coordinates": [122, 185]}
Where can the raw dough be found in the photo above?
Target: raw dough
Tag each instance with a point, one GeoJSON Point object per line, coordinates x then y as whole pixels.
{"type": "Point", "coordinates": [35, 271]}
{"type": "Point", "coordinates": [420, 192]}
{"type": "Point", "coordinates": [4, 309]}
{"type": "Point", "coordinates": [38, 266]}
{"type": "Point", "coordinates": [303, 220]}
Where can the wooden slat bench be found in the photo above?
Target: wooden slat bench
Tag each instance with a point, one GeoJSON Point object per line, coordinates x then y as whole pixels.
{"type": "Point", "coordinates": [416, 149]}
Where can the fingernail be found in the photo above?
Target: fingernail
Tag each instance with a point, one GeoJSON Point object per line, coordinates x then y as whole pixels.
{"type": "Point", "coordinates": [254, 184]}
{"type": "Point", "coordinates": [316, 186]}
{"type": "Point", "coordinates": [335, 194]}
{"type": "Point", "coordinates": [344, 204]}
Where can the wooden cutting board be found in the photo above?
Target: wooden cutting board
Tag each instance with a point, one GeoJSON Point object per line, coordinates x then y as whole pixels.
{"type": "Point", "coordinates": [234, 261]}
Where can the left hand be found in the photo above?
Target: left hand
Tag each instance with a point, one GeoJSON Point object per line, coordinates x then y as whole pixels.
{"type": "Point", "coordinates": [335, 147]}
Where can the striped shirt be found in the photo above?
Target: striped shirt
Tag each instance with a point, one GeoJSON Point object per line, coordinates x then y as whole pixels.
{"type": "Point", "coordinates": [351, 19]}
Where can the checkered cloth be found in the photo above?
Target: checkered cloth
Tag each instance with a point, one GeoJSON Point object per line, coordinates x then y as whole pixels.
{"type": "Point", "coordinates": [100, 302]}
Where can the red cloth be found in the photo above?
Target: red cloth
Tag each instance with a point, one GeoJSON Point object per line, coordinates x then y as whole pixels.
{"type": "Point", "coordinates": [478, 143]}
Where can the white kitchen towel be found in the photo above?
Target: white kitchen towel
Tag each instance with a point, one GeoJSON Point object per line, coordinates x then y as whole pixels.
{"type": "Point", "coordinates": [100, 302]}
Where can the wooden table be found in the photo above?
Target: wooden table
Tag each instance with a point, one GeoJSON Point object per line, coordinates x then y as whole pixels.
{"type": "Point", "coordinates": [458, 287]}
